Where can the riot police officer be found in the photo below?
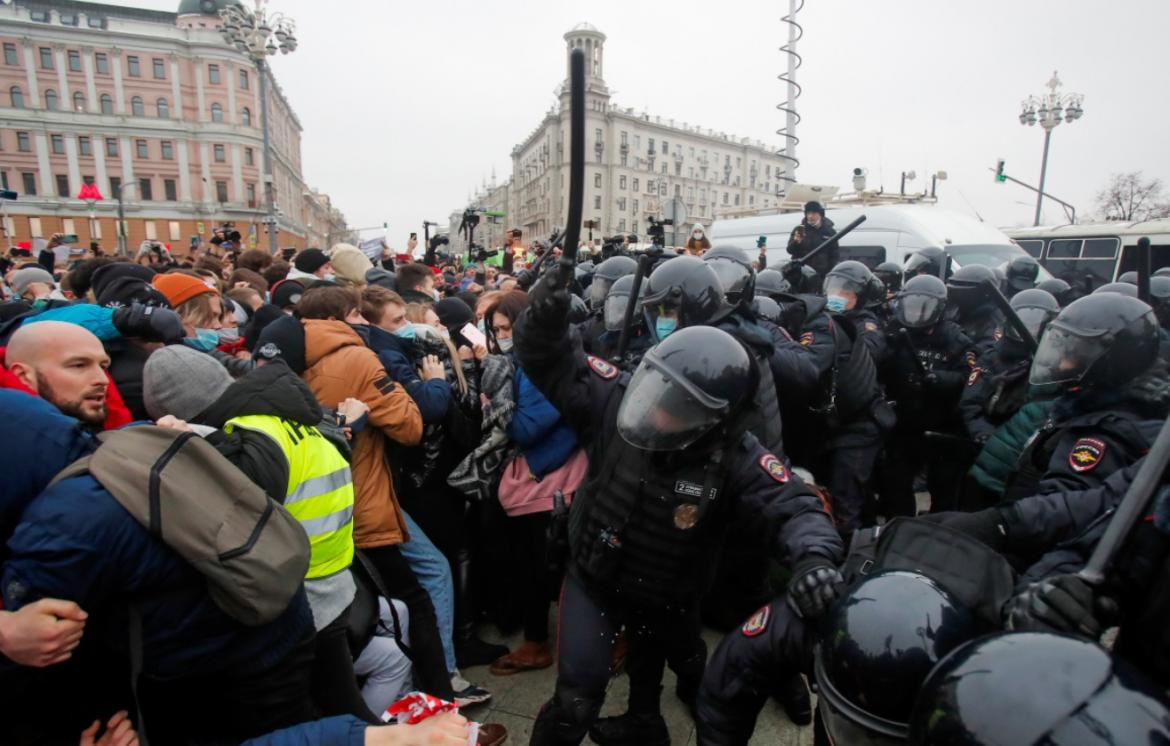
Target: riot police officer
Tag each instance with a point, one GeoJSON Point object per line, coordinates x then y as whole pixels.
{"type": "Point", "coordinates": [614, 318]}
{"type": "Point", "coordinates": [931, 261]}
{"type": "Point", "coordinates": [1059, 289]}
{"type": "Point", "coordinates": [1020, 273]}
{"type": "Point", "coordinates": [670, 464]}
{"type": "Point", "coordinates": [890, 273]}
{"type": "Point", "coordinates": [969, 295]}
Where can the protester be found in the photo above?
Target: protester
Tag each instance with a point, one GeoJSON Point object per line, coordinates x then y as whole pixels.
{"type": "Point", "coordinates": [311, 265]}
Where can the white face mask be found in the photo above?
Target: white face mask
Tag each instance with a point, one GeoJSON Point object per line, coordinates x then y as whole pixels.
{"type": "Point", "coordinates": [505, 344]}
{"type": "Point", "coordinates": [329, 277]}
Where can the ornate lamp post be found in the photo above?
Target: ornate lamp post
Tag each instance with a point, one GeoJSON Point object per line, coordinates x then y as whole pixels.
{"type": "Point", "coordinates": [1049, 110]}
{"type": "Point", "coordinates": [259, 34]}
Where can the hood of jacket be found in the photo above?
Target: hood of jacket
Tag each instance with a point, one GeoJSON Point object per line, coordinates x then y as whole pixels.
{"type": "Point", "coordinates": [324, 337]}
{"type": "Point", "coordinates": [272, 389]}
{"type": "Point", "coordinates": [384, 341]}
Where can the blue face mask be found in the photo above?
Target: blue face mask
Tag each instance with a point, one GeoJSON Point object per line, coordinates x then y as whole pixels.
{"type": "Point", "coordinates": [663, 328]}
{"type": "Point", "coordinates": [836, 303]}
{"type": "Point", "coordinates": [406, 332]}
{"type": "Point", "coordinates": [205, 340]}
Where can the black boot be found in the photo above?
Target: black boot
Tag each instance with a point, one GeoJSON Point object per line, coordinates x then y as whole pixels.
{"type": "Point", "coordinates": [631, 729]}
{"type": "Point", "coordinates": [469, 649]}
{"type": "Point", "coordinates": [792, 694]}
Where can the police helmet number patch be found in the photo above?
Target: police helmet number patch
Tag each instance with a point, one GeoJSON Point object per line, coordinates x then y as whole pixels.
{"type": "Point", "coordinates": [757, 623]}
{"type": "Point", "coordinates": [774, 468]}
{"type": "Point", "coordinates": [1086, 453]}
{"type": "Point", "coordinates": [602, 368]}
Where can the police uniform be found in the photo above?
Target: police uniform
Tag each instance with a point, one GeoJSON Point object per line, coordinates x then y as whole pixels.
{"type": "Point", "coordinates": [996, 388]}
{"type": "Point", "coordinates": [644, 531]}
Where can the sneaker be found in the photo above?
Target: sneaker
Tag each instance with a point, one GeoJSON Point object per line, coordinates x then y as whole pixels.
{"type": "Point", "coordinates": [631, 729]}
{"type": "Point", "coordinates": [476, 652]}
{"type": "Point", "coordinates": [468, 694]}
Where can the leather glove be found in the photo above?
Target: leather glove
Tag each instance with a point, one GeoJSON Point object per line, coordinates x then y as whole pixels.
{"type": "Point", "coordinates": [988, 526]}
{"type": "Point", "coordinates": [1062, 603]}
{"type": "Point", "coordinates": [150, 323]}
{"type": "Point", "coordinates": [815, 585]}
{"type": "Point", "coordinates": [550, 302]}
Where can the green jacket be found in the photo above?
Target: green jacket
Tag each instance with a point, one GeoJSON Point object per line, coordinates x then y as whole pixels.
{"type": "Point", "coordinates": [1001, 452]}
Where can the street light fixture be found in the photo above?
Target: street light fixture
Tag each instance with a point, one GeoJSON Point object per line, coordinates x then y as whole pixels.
{"type": "Point", "coordinates": [260, 34]}
{"type": "Point", "coordinates": [121, 215]}
{"type": "Point", "coordinates": [1048, 111]}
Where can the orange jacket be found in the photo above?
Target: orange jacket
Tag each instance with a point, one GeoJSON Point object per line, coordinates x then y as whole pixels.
{"type": "Point", "coordinates": [337, 366]}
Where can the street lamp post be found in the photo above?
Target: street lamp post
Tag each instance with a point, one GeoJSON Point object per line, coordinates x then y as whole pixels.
{"type": "Point", "coordinates": [1049, 110]}
{"type": "Point", "coordinates": [259, 34]}
{"type": "Point", "coordinates": [122, 217]}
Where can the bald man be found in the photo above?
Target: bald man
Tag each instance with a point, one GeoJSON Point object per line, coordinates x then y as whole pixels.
{"type": "Point", "coordinates": [65, 365]}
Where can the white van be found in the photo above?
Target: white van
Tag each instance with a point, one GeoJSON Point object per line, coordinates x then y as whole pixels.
{"type": "Point", "coordinates": [890, 233]}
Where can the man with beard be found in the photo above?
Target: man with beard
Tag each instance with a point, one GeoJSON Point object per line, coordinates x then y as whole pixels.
{"type": "Point", "coordinates": [65, 365]}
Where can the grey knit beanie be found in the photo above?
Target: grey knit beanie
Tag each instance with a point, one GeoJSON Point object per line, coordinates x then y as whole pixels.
{"type": "Point", "coordinates": [183, 382]}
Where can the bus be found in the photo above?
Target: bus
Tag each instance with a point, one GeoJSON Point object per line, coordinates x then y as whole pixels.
{"type": "Point", "coordinates": [1090, 255]}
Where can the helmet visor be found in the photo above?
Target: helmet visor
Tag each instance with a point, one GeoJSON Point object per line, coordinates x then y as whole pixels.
{"type": "Point", "coordinates": [615, 311]}
{"type": "Point", "coordinates": [1034, 320]}
{"type": "Point", "coordinates": [1063, 357]}
{"type": "Point", "coordinates": [598, 289]}
{"type": "Point", "coordinates": [916, 311]}
{"type": "Point", "coordinates": [732, 275]}
{"type": "Point", "coordinates": [841, 285]}
{"type": "Point", "coordinates": [662, 412]}
{"type": "Point", "coordinates": [844, 732]}
{"type": "Point", "coordinates": [920, 264]}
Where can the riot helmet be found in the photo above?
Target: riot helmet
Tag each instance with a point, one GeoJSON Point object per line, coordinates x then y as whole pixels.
{"type": "Point", "coordinates": [875, 295]}
{"type": "Point", "coordinates": [805, 278]}
{"type": "Point", "coordinates": [684, 387]}
{"type": "Point", "coordinates": [1160, 298]}
{"type": "Point", "coordinates": [1033, 689]}
{"type": "Point", "coordinates": [682, 292]}
{"type": "Point", "coordinates": [578, 311]}
{"type": "Point", "coordinates": [1103, 340]}
{"type": "Point", "coordinates": [1121, 288]}
{"type": "Point", "coordinates": [890, 273]}
{"type": "Point", "coordinates": [1021, 273]}
{"type": "Point", "coordinates": [847, 286]}
{"type": "Point", "coordinates": [1131, 277]}
{"type": "Point", "coordinates": [1035, 308]}
{"type": "Point", "coordinates": [970, 288]}
{"type": "Point", "coordinates": [1162, 272]}
{"type": "Point", "coordinates": [583, 273]}
{"type": "Point", "coordinates": [928, 261]}
{"type": "Point", "coordinates": [605, 274]}
{"type": "Point", "coordinates": [1060, 290]}
{"type": "Point", "coordinates": [921, 302]}
{"type": "Point", "coordinates": [614, 314]}
{"type": "Point", "coordinates": [735, 272]}
{"type": "Point", "coordinates": [771, 283]}
{"type": "Point", "coordinates": [768, 309]}
{"type": "Point", "coordinates": [878, 643]}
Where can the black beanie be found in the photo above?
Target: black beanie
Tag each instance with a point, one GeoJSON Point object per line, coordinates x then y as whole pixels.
{"type": "Point", "coordinates": [814, 206]}
{"type": "Point", "coordinates": [261, 318]}
{"type": "Point", "coordinates": [121, 284]}
{"type": "Point", "coordinates": [283, 339]}
{"type": "Point", "coordinates": [310, 260]}
{"type": "Point", "coordinates": [454, 314]}
{"type": "Point", "coordinates": [287, 293]}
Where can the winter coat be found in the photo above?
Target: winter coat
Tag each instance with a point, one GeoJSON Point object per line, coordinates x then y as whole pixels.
{"type": "Point", "coordinates": [339, 366]}
{"type": "Point", "coordinates": [1001, 453]}
{"type": "Point", "coordinates": [814, 237]}
{"type": "Point", "coordinates": [397, 356]}
{"type": "Point", "coordinates": [117, 414]}
{"type": "Point", "coordinates": [127, 360]}
{"type": "Point", "coordinates": [538, 429]}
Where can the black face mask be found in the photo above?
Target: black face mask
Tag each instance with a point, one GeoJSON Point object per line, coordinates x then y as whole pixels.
{"type": "Point", "coordinates": [363, 331]}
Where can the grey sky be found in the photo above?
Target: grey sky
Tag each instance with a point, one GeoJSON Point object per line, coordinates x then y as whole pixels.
{"type": "Point", "coordinates": [407, 106]}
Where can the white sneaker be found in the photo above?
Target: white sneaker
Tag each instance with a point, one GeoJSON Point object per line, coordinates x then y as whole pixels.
{"type": "Point", "coordinates": [466, 693]}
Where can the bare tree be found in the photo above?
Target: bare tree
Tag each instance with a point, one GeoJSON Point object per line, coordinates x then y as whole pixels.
{"type": "Point", "coordinates": [1131, 197]}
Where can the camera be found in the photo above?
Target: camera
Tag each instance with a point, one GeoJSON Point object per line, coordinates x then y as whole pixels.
{"type": "Point", "coordinates": [657, 230]}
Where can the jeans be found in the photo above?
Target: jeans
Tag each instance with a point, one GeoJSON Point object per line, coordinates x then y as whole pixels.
{"type": "Point", "coordinates": [434, 574]}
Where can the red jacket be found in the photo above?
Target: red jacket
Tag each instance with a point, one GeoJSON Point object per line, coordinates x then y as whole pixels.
{"type": "Point", "coordinates": [117, 414]}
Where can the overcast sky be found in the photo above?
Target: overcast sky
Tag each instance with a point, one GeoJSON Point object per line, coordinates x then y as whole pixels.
{"type": "Point", "coordinates": [406, 106]}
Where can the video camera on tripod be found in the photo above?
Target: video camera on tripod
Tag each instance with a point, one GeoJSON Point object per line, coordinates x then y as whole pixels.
{"type": "Point", "coordinates": [657, 230]}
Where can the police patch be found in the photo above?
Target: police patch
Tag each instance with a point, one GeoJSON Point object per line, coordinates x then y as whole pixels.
{"type": "Point", "coordinates": [1086, 453]}
{"type": "Point", "coordinates": [806, 339]}
{"type": "Point", "coordinates": [757, 623]}
{"type": "Point", "coordinates": [602, 368]}
{"type": "Point", "coordinates": [774, 467]}
{"type": "Point", "coordinates": [971, 379]}
{"type": "Point", "coordinates": [970, 359]}
{"type": "Point", "coordinates": [871, 326]}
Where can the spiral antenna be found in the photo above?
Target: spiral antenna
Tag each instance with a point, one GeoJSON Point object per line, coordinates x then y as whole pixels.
{"type": "Point", "coordinates": [788, 77]}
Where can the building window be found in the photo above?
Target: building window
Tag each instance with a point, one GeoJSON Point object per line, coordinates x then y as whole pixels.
{"type": "Point", "coordinates": [622, 224]}
{"type": "Point", "coordinates": [107, 104]}
{"type": "Point", "coordinates": [102, 63]}
{"type": "Point", "coordinates": [248, 157]}
{"type": "Point", "coordinates": [95, 21]}
{"type": "Point", "coordinates": [137, 108]}
{"type": "Point", "coordinates": [621, 182]}
{"type": "Point", "coordinates": [85, 145]}
{"type": "Point", "coordinates": [251, 192]}
{"type": "Point", "coordinates": [175, 230]}
{"type": "Point", "coordinates": [625, 138]}
{"type": "Point", "coordinates": [22, 142]}
{"type": "Point", "coordinates": [650, 150]}
{"type": "Point", "coordinates": [115, 187]}
{"type": "Point", "coordinates": [246, 117]}
{"type": "Point", "coordinates": [160, 69]}
{"type": "Point", "coordinates": [144, 190]}
{"type": "Point", "coordinates": [213, 74]}
{"type": "Point", "coordinates": [30, 183]}
{"type": "Point", "coordinates": [168, 150]}
{"type": "Point", "coordinates": [143, 151]}
{"type": "Point", "coordinates": [621, 204]}
{"type": "Point", "coordinates": [664, 167]}
{"type": "Point", "coordinates": [221, 194]}
{"type": "Point", "coordinates": [625, 160]}
{"type": "Point", "coordinates": [665, 147]}
{"type": "Point", "coordinates": [111, 147]}
{"type": "Point", "coordinates": [216, 113]}
{"type": "Point", "coordinates": [170, 195]}
{"type": "Point", "coordinates": [69, 19]}
{"type": "Point", "coordinates": [634, 185]}
{"type": "Point", "coordinates": [737, 200]}
{"type": "Point", "coordinates": [10, 57]}
{"type": "Point", "coordinates": [78, 101]}
{"type": "Point", "coordinates": [51, 102]}
{"type": "Point", "coordinates": [597, 202]}
{"type": "Point", "coordinates": [634, 206]}
{"type": "Point", "coordinates": [46, 58]}
{"type": "Point", "coordinates": [74, 60]}
{"type": "Point", "coordinates": [62, 186]}
{"type": "Point", "coordinates": [243, 79]}
{"type": "Point", "coordinates": [40, 16]}
{"type": "Point", "coordinates": [678, 168]}
{"type": "Point", "coordinates": [17, 97]}
{"type": "Point", "coordinates": [132, 68]}
{"type": "Point", "coordinates": [58, 143]}
{"type": "Point", "coordinates": [597, 180]}
{"type": "Point", "coordinates": [151, 230]}
{"type": "Point", "coordinates": [220, 154]}
{"type": "Point", "coordinates": [164, 109]}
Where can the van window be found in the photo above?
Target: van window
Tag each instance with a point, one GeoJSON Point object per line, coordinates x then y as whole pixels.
{"type": "Point", "coordinates": [1034, 246]}
{"type": "Point", "coordinates": [1064, 248]}
{"type": "Point", "coordinates": [1100, 248]}
{"type": "Point", "coordinates": [870, 256]}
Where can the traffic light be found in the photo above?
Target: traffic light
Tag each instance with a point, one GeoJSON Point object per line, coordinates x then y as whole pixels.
{"type": "Point", "coordinates": [7, 194]}
{"type": "Point", "coordinates": [1000, 176]}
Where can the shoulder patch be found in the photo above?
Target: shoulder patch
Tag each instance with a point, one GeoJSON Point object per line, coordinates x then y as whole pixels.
{"type": "Point", "coordinates": [971, 379]}
{"type": "Point", "coordinates": [970, 359]}
{"type": "Point", "coordinates": [601, 367]}
{"type": "Point", "coordinates": [871, 326]}
{"type": "Point", "coordinates": [1086, 453]}
{"type": "Point", "coordinates": [806, 339]}
{"type": "Point", "coordinates": [757, 623]}
{"type": "Point", "coordinates": [774, 468]}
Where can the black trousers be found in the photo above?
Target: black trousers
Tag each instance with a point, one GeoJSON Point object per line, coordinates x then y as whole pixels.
{"type": "Point", "coordinates": [430, 667]}
{"type": "Point", "coordinates": [529, 541]}
{"type": "Point", "coordinates": [335, 689]}
{"type": "Point", "coordinates": [588, 629]}
{"type": "Point", "coordinates": [846, 467]}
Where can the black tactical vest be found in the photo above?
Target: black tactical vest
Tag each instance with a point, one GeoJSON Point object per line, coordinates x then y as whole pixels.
{"type": "Point", "coordinates": [855, 372]}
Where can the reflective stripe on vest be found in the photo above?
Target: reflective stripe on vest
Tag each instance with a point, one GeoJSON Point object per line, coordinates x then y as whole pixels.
{"type": "Point", "coordinates": [320, 489]}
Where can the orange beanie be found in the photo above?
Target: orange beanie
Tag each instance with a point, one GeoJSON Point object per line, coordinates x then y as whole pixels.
{"type": "Point", "coordinates": [179, 288]}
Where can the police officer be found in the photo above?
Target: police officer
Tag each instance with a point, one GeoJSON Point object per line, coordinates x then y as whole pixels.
{"type": "Point", "coordinates": [1020, 273]}
{"type": "Point", "coordinates": [1059, 289]}
{"type": "Point", "coordinates": [929, 261]}
{"type": "Point", "coordinates": [930, 360]}
{"type": "Point", "coordinates": [890, 273]}
{"type": "Point", "coordinates": [614, 317]}
{"type": "Point", "coordinates": [670, 464]}
{"type": "Point", "coordinates": [969, 302]}
{"type": "Point", "coordinates": [603, 278]}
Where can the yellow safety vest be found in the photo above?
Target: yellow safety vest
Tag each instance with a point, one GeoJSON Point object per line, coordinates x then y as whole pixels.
{"type": "Point", "coordinates": [320, 489]}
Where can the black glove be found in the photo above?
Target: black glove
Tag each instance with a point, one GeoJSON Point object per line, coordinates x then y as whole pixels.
{"type": "Point", "coordinates": [150, 323]}
{"type": "Point", "coordinates": [988, 526]}
{"type": "Point", "coordinates": [550, 302]}
{"type": "Point", "coordinates": [1062, 603]}
{"type": "Point", "coordinates": [815, 585]}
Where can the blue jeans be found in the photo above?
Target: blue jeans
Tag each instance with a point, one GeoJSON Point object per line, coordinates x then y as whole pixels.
{"type": "Point", "coordinates": [434, 575]}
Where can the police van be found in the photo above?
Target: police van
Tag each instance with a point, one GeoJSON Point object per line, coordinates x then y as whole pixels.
{"type": "Point", "coordinates": [890, 233]}
{"type": "Point", "coordinates": [1088, 256]}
